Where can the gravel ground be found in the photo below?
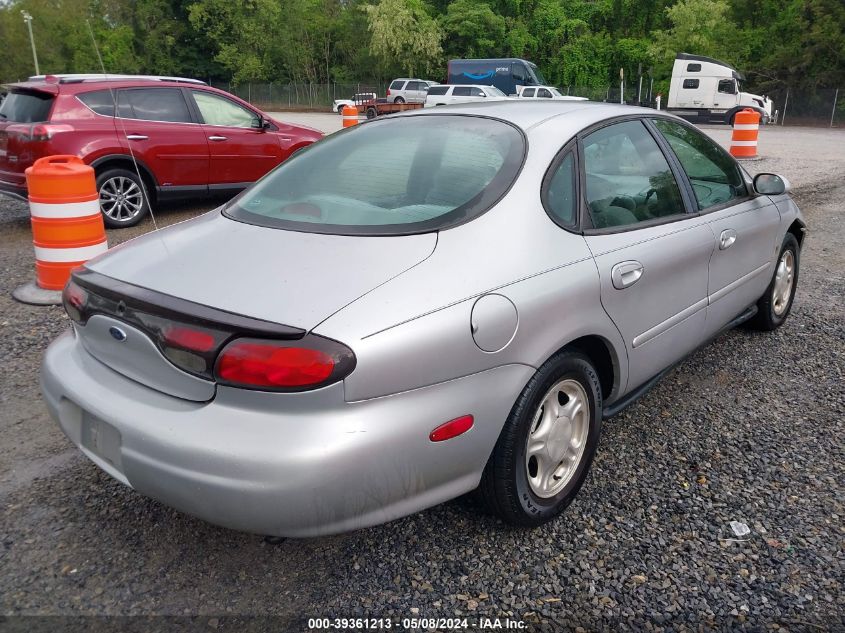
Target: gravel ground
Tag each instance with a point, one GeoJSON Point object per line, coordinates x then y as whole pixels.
{"type": "Point", "coordinates": [749, 428]}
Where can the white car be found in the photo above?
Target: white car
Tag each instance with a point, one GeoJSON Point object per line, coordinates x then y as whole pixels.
{"type": "Point", "coordinates": [545, 92]}
{"type": "Point", "coordinates": [447, 94]}
{"type": "Point", "coordinates": [357, 99]}
{"type": "Point", "coordinates": [406, 90]}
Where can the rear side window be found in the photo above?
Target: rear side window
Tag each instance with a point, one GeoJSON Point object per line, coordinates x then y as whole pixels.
{"type": "Point", "coordinates": [100, 101]}
{"type": "Point", "coordinates": [690, 83]}
{"type": "Point", "coordinates": [389, 177]}
{"type": "Point", "coordinates": [528, 92]}
{"type": "Point", "coordinates": [397, 85]}
{"type": "Point", "coordinates": [714, 175]}
{"type": "Point", "coordinates": [560, 192]}
{"type": "Point", "coordinates": [154, 104]}
{"type": "Point", "coordinates": [438, 90]}
{"type": "Point", "coordinates": [26, 107]}
{"type": "Point", "coordinates": [628, 178]}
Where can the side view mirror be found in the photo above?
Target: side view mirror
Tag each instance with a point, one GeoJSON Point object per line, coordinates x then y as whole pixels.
{"type": "Point", "coordinates": [770, 184]}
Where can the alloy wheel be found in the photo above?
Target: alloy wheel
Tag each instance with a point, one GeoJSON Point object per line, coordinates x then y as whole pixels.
{"type": "Point", "coordinates": [784, 278]}
{"type": "Point", "coordinates": [557, 438]}
{"type": "Point", "coordinates": [121, 199]}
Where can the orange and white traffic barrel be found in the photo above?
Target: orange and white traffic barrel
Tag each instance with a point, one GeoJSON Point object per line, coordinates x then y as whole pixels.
{"type": "Point", "coordinates": [744, 136]}
{"type": "Point", "coordinates": [350, 116]}
{"type": "Point", "coordinates": [67, 226]}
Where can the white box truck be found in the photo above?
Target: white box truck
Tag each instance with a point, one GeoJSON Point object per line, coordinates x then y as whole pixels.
{"type": "Point", "coordinates": [705, 90]}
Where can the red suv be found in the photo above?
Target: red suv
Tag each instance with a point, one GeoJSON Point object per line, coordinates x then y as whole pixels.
{"type": "Point", "coordinates": [188, 139]}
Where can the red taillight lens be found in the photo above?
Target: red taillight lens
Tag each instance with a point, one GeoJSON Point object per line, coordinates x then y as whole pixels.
{"type": "Point", "coordinates": [283, 365]}
{"type": "Point", "coordinates": [188, 338]}
{"type": "Point", "coordinates": [74, 300]}
{"type": "Point", "coordinates": [38, 131]}
{"type": "Point", "coordinates": [388, 92]}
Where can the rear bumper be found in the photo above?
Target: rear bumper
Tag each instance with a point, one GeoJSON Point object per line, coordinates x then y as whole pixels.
{"type": "Point", "coordinates": [284, 464]}
{"type": "Point", "coordinates": [13, 185]}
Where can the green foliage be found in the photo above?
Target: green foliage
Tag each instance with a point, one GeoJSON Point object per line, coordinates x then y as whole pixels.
{"type": "Point", "coordinates": [472, 29]}
{"type": "Point", "coordinates": [404, 37]}
{"type": "Point", "coordinates": [799, 43]}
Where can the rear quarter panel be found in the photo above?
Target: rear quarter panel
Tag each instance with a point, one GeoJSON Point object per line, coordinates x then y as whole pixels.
{"type": "Point", "coordinates": [415, 329]}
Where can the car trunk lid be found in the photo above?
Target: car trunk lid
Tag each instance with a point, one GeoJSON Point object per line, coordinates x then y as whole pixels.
{"type": "Point", "coordinates": [223, 279]}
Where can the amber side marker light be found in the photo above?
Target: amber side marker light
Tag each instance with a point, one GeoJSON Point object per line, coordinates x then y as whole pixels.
{"type": "Point", "coordinates": [451, 429]}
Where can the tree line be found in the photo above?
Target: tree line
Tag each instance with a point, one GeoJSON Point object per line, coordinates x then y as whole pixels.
{"type": "Point", "coordinates": [800, 43]}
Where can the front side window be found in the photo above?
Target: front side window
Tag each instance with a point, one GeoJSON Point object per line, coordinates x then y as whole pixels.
{"type": "Point", "coordinates": [154, 104]}
{"type": "Point", "coordinates": [389, 177]}
{"type": "Point", "coordinates": [493, 91]}
{"type": "Point", "coordinates": [544, 93]}
{"type": "Point", "coordinates": [462, 91]}
{"type": "Point", "coordinates": [690, 84]}
{"type": "Point", "coordinates": [216, 110]}
{"type": "Point", "coordinates": [477, 92]}
{"type": "Point", "coordinates": [714, 175]}
{"type": "Point", "coordinates": [628, 178]}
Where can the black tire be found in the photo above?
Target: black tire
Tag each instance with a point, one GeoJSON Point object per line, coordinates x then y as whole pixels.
{"type": "Point", "coordinates": [771, 314]}
{"type": "Point", "coordinates": [399, 100]}
{"type": "Point", "coordinates": [372, 113]}
{"type": "Point", "coordinates": [505, 488]}
{"type": "Point", "coordinates": [136, 204]}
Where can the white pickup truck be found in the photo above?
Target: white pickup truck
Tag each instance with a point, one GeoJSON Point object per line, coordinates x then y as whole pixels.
{"type": "Point", "coordinates": [706, 90]}
{"type": "Point", "coordinates": [357, 99]}
{"type": "Point", "coordinates": [544, 92]}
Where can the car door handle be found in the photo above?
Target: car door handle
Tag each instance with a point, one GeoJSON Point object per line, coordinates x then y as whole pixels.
{"type": "Point", "coordinates": [217, 138]}
{"type": "Point", "coordinates": [626, 274]}
{"type": "Point", "coordinates": [137, 137]}
{"type": "Point", "coordinates": [726, 239]}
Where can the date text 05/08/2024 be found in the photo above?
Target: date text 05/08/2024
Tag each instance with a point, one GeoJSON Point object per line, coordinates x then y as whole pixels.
{"type": "Point", "coordinates": [415, 624]}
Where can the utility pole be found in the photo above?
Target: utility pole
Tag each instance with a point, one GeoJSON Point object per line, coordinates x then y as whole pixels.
{"type": "Point", "coordinates": [28, 19]}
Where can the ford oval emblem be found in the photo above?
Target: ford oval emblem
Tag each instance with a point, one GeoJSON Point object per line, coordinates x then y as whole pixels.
{"type": "Point", "coordinates": [117, 334]}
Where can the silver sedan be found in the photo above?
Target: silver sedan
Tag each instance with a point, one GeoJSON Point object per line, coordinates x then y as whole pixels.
{"type": "Point", "coordinates": [414, 308]}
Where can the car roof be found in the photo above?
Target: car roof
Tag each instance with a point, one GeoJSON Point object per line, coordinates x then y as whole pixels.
{"type": "Point", "coordinates": [529, 113]}
{"type": "Point", "coordinates": [73, 84]}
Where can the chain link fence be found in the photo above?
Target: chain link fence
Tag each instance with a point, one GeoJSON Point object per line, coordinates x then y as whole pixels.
{"type": "Point", "coordinates": [821, 107]}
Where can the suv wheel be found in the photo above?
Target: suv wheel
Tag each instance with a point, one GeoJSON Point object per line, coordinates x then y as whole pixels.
{"type": "Point", "coordinates": [124, 199]}
{"type": "Point", "coordinates": [399, 100]}
{"type": "Point", "coordinates": [547, 444]}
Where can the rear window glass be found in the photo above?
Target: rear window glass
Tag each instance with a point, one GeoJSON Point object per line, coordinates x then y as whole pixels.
{"type": "Point", "coordinates": [26, 107]}
{"type": "Point", "coordinates": [438, 90]}
{"type": "Point", "coordinates": [389, 177]}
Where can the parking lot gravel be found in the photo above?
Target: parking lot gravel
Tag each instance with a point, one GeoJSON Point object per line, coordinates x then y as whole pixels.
{"type": "Point", "coordinates": [748, 429]}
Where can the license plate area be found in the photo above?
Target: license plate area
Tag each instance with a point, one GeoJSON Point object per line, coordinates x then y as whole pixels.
{"type": "Point", "coordinates": [101, 439]}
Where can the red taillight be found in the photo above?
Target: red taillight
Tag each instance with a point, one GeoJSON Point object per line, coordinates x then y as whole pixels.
{"type": "Point", "coordinates": [388, 92]}
{"type": "Point", "coordinates": [74, 299]}
{"type": "Point", "coordinates": [451, 429]}
{"type": "Point", "coordinates": [38, 131]}
{"type": "Point", "coordinates": [283, 365]}
{"type": "Point", "coordinates": [189, 338]}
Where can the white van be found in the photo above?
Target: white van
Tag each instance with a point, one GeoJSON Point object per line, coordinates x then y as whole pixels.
{"type": "Point", "coordinates": [446, 94]}
{"type": "Point", "coordinates": [706, 90]}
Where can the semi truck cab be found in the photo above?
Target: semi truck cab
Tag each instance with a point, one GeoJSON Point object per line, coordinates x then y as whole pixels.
{"type": "Point", "coordinates": [706, 90]}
